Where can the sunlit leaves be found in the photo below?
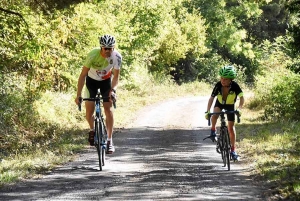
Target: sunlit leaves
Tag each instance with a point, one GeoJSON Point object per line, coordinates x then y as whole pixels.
{"type": "Point", "coordinates": [281, 98]}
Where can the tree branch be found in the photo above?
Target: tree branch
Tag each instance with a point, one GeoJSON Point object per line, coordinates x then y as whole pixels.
{"type": "Point", "coordinates": [19, 15]}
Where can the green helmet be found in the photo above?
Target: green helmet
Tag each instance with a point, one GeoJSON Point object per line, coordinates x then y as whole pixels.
{"type": "Point", "coordinates": [227, 72]}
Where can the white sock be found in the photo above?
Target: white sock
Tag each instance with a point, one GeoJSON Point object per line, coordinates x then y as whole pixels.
{"type": "Point", "coordinates": [109, 139]}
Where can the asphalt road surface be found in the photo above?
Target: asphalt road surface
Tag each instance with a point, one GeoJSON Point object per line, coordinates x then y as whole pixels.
{"type": "Point", "coordinates": [160, 156]}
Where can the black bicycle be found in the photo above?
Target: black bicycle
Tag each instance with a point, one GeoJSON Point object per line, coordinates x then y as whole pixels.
{"type": "Point", "coordinates": [100, 137]}
{"type": "Point", "coordinates": [223, 142]}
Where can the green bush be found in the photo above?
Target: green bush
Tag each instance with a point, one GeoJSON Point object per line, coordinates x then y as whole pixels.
{"type": "Point", "coordinates": [283, 101]}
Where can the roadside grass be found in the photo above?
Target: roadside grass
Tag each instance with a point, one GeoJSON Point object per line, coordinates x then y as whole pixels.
{"type": "Point", "coordinates": [271, 149]}
{"type": "Point", "coordinates": [40, 159]}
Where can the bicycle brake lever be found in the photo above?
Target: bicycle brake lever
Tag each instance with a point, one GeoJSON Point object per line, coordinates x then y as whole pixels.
{"type": "Point", "coordinates": [79, 105]}
{"type": "Point", "coordinates": [114, 100]}
{"type": "Point", "coordinates": [238, 116]}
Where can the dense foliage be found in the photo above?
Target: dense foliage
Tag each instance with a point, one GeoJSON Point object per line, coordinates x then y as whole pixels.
{"type": "Point", "coordinates": [186, 39]}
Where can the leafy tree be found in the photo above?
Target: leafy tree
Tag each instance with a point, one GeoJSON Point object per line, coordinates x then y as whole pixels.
{"type": "Point", "coordinates": [235, 28]}
{"type": "Point", "coordinates": [184, 38]}
{"type": "Point", "coordinates": [271, 24]}
{"type": "Point", "coordinates": [294, 29]}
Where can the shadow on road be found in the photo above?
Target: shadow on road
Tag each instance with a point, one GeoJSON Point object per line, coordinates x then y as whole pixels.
{"type": "Point", "coordinates": [149, 164]}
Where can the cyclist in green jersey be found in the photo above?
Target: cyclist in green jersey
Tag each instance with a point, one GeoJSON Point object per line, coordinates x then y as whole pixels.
{"type": "Point", "coordinates": [226, 91]}
{"type": "Point", "coordinates": [101, 69]}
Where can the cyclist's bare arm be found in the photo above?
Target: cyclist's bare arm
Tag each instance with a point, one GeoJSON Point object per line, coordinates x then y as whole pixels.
{"type": "Point", "coordinates": [210, 102]}
{"type": "Point", "coordinates": [241, 103]}
{"type": "Point", "coordinates": [115, 80]}
{"type": "Point", "coordinates": [81, 81]}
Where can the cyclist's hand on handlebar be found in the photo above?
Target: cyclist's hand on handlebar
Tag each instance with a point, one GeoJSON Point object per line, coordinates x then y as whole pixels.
{"type": "Point", "coordinates": [113, 95]}
{"type": "Point", "coordinates": [207, 115]}
{"type": "Point", "coordinates": [78, 100]}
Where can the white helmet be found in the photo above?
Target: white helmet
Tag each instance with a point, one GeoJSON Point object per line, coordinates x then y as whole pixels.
{"type": "Point", "coordinates": [107, 41]}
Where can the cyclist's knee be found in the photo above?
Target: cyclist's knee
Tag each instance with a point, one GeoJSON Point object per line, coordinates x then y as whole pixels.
{"type": "Point", "coordinates": [231, 129]}
{"type": "Point", "coordinates": [214, 118]}
{"type": "Point", "coordinates": [88, 116]}
{"type": "Point", "coordinates": [89, 113]}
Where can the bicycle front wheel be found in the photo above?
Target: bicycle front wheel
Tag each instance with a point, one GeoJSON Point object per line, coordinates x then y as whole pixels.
{"type": "Point", "coordinates": [103, 141]}
{"type": "Point", "coordinates": [223, 146]}
{"type": "Point", "coordinates": [227, 149]}
{"type": "Point", "coordinates": [98, 143]}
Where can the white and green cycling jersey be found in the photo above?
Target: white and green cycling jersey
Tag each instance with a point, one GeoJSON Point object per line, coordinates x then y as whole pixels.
{"type": "Point", "coordinates": [100, 67]}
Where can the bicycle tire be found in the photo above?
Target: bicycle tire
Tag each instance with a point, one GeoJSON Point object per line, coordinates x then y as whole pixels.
{"type": "Point", "coordinates": [103, 141]}
{"type": "Point", "coordinates": [220, 145]}
{"type": "Point", "coordinates": [98, 143]}
{"type": "Point", "coordinates": [223, 147]}
{"type": "Point", "coordinates": [227, 149]}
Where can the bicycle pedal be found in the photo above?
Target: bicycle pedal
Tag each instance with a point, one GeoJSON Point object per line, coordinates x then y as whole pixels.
{"type": "Point", "coordinates": [213, 138]}
{"type": "Point", "coordinates": [218, 151]}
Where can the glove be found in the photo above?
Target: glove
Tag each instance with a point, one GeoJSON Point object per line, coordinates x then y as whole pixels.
{"type": "Point", "coordinates": [239, 112]}
{"type": "Point", "coordinates": [207, 115]}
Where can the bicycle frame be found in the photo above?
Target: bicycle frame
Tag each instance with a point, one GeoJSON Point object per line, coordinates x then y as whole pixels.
{"type": "Point", "coordinates": [99, 120]}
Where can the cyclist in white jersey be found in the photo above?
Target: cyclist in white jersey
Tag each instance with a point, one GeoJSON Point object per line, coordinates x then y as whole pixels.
{"type": "Point", "coordinates": [101, 69]}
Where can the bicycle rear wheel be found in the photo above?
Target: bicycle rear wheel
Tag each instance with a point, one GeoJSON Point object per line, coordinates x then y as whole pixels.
{"type": "Point", "coordinates": [98, 143]}
{"type": "Point", "coordinates": [227, 149]}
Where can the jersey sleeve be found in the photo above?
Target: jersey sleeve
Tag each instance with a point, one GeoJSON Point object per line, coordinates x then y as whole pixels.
{"type": "Point", "coordinates": [89, 59]}
{"type": "Point", "coordinates": [117, 61]}
{"type": "Point", "coordinates": [216, 90]}
{"type": "Point", "coordinates": [239, 91]}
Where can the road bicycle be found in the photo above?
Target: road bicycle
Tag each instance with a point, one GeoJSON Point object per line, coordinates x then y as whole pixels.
{"type": "Point", "coordinates": [223, 146]}
{"type": "Point", "coordinates": [100, 137]}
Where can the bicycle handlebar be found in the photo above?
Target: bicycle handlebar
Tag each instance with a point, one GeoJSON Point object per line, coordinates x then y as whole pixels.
{"type": "Point", "coordinates": [94, 99]}
{"type": "Point", "coordinates": [236, 112]}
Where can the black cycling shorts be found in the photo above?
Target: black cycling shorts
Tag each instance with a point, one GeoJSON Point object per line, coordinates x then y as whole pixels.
{"type": "Point", "coordinates": [93, 86]}
{"type": "Point", "coordinates": [230, 117]}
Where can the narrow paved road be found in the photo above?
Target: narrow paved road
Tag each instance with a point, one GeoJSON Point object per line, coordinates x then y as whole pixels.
{"type": "Point", "coordinates": [161, 156]}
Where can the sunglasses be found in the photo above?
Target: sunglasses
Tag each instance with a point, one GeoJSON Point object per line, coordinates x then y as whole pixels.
{"type": "Point", "coordinates": [107, 48]}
